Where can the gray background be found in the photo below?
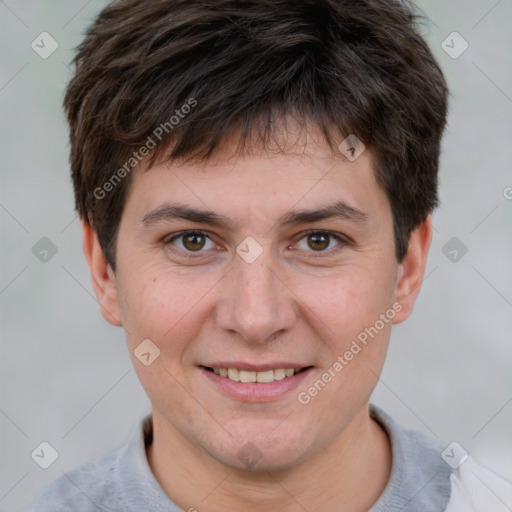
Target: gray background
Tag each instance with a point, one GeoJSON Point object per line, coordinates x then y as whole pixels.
{"type": "Point", "coordinates": [66, 377]}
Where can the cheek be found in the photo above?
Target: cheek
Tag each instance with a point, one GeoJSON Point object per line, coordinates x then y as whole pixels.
{"type": "Point", "coordinates": [354, 333]}
{"type": "Point", "coordinates": [163, 306]}
{"type": "Point", "coordinates": [355, 337]}
{"type": "Point", "coordinates": [350, 301]}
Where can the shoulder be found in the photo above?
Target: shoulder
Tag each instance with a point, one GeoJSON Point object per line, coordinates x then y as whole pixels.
{"type": "Point", "coordinates": [84, 488]}
{"type": "Point", "coordinates": [120, 480]}
{"type": "Point", "coordinates": [420, 478]}
{"type": "Point", "coordinates": [475, 488]}
{"type": "Point", "coordinates": [430, 475]}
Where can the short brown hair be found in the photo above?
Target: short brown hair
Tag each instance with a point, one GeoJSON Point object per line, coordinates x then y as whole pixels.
{"type": "Point", "coordinates": [350, 67]}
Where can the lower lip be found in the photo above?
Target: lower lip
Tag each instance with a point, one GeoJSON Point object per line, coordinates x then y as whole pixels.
{"type": "Point", "coordinates": [255, 391]}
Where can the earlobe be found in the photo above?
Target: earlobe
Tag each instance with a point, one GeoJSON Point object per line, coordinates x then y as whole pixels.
{"type": "Point", "coordinates": [411, 271]}
{"type": "Point", "coordinates": [102, 276]}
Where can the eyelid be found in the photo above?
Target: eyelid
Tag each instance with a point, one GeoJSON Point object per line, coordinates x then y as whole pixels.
{"type": "Point", "coordinates": [168, 239]}
{"type": "Point", "coordinates": [173, 236]}
{"type": "Point", "coordinates": [342, 239]}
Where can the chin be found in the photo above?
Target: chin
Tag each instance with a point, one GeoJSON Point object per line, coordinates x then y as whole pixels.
{"type": "Point", "coordinates": [263, 452]}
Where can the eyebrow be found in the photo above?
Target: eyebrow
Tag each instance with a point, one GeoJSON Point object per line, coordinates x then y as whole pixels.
{"type": "Point", "coordinates": [168, 212]}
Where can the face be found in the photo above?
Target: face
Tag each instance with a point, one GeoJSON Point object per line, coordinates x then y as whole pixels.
{"type": "Point", "coordinates": [257, 283]}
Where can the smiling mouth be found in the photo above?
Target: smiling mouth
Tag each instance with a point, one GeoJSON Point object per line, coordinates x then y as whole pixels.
{"type": "Point", "coordinates": [263, 377]}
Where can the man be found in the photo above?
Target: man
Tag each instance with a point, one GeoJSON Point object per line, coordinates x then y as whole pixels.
{"type": "Point", "coordinates": [255, 180]}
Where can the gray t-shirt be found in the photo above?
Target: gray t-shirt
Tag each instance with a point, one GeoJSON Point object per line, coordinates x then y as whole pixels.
{"type": "Point", "coordinates": [122, 480]}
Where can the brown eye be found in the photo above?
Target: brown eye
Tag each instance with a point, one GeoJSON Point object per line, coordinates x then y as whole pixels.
{"type": "Point", "coordinates": [189, 242]}
{"type": "Point", "coordinates": [321, 242]}
{"type": "Point", "coordinates": [193, 241]}
{"type": "Point", "coordinates": [318, 241]}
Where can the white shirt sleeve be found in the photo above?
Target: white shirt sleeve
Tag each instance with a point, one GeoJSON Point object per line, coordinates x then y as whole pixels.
{"type": "Point", "coordinates": [476, 489]}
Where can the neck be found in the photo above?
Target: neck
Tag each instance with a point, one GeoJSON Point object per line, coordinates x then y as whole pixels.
{"type": "Point", "coordinates": [349, 474]}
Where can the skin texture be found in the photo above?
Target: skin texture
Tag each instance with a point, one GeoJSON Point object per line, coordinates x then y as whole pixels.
{"type": "Point", "coordinates": [293, 303]}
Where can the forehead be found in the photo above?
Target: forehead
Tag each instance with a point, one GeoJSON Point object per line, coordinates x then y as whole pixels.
{"type": "Point", "coordinates": [260, 184]}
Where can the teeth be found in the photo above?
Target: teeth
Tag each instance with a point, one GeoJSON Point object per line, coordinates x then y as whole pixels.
{"type": "Point", "coordinates": [279, 374]}
{"type": "Point", "coordinates": [233, 374]}
{"type": "Point", "coordinates": [246, 376]}
{"type": "Point", "coordinates": [264, 377]}
{"type": "Point", "coordinates": [267, 376]}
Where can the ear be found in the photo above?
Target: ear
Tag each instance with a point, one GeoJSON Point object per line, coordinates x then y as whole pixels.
{"type": "Point", "coordinates": [102, 276]}
{"type": "Point", "coordinates": [412, 269]}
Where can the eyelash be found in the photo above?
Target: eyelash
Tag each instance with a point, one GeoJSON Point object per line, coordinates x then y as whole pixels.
{"type": "Point", "coordinates": [198, 254]}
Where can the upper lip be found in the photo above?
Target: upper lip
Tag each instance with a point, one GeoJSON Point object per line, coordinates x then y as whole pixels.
{"type": "Point", "coordinates": [248, 367]}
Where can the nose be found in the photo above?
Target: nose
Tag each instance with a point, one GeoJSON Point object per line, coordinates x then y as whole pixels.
{"type": "Point", "coordinates": [255, 302]}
